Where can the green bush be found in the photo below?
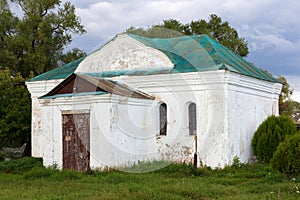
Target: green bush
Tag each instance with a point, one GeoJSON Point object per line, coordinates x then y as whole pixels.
{"type": "Point", "coordinates": [269, 134]}
{"type": "Point", "coordinates": [286, 158]}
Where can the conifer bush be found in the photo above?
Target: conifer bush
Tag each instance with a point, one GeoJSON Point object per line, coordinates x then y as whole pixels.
{"type": "Point", "coordinates": [269, 134]}
{"type": "Point", "coordinates": [286, 158]}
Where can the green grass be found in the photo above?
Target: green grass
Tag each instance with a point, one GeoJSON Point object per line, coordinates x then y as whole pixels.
{"type": "Point", "coordinates": [27, 179]}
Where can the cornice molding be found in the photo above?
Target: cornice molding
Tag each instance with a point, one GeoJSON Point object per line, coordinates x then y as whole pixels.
{"type": "Point", "coordinates": [194, 81]}
{"type": "Point", "coordinates": [211, 80]}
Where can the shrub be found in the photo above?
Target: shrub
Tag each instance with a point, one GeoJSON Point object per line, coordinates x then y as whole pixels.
{"type": "Point", "coordinates": [269, 134]}
{"type": "Point", "coordinates": [286, 158]}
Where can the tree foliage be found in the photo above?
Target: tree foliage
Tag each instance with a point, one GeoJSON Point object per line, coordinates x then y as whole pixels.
{"type": "Point", "coordinates": [36, 41]}
{"type": "Point", "coordinates": [286, 158]}
{"type": "Point", "coordinates": [285, 102]}
{"type": "Point", "coordinates": [72, 55]}
{"type": "Point", "coordinates": [14, 110]}
{"type": "Point", "coordinates": [295, 115]}
{"type": "Point", "coordinates": [269, 135]}
{"type": "Point", "coordinates": [215, 27]}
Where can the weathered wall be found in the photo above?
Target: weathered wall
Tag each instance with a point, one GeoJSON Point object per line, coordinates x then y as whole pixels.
{"type": "Point", "coordinates": [124, 53]}
{"type": "Point", "coordinates": [38, 89]}
{"type": "Point", "coordinates": [177, 91]}
{"type": "Point", "coordinates": [230, 107]}
{"type": "Point", "coordinates": [125, 130]}
{"type": "Point", "coordinates": [250, 102]}
{"type": "Point", "coordinates": [50, 141]}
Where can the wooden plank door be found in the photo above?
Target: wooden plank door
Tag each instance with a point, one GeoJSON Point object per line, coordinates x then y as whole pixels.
{"type": "Point", "coordinates": [76, 141]}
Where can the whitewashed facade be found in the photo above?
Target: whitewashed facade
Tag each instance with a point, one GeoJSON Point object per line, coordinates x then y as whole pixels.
{"type": "Point", "coordinates": [125, 130]}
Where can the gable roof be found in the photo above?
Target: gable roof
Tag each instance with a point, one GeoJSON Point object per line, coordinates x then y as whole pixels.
{"type": "Point", "coordinates": [80, 85]}
{"type": "Point", "coordinates": [188, 54]}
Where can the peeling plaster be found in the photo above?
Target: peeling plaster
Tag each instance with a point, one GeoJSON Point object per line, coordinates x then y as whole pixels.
{"type": "Point", "coordinates": [124, 130]}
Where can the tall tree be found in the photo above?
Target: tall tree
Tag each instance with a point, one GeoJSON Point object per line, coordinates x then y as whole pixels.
{"type": "Point", "coordinates": [215, 27]}
{"type": "Point", "coordinates": [41, 34]}
{"type": "Point", "coordinates": [7, 31]}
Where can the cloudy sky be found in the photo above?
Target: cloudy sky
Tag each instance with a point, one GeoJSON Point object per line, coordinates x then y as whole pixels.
{"type": "Point", "coordinates": [271, 27]}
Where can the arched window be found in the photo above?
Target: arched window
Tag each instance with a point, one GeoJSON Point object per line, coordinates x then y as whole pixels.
{"type": "Point", "coordinates": [163, 119]}
{"type": "Point", "coordinates": [192, 119]}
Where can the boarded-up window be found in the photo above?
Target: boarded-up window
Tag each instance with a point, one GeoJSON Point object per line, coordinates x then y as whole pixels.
{"type": "Point", "coordinates": [192, 119]}
{"type": "Point", "coordinates": [163, 119]}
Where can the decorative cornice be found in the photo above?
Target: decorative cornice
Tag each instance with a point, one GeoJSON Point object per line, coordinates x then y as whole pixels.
{"type": "Point", "coordinates": [194, 81]}
{"type": "Point", "coordinates": [210, 80]}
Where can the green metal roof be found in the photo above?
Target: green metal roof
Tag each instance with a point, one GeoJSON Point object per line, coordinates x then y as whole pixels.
{"type": "Point", "coordinates": [202, 53]}
{"type": "Point", "coordinates": [188, 54]}
{"type": "Point", "coordinates": [61, 72]}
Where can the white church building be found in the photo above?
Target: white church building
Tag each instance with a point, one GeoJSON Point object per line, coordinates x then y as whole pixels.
{"type": "Point", "coordinates": [142, 99]}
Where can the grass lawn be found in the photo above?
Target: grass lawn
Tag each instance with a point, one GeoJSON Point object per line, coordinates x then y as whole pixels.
{"type": "Point", "coordinates": [27, 179]}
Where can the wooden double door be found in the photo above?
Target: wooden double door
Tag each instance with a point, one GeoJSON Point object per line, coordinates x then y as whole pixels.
{"type": "Point", "coordinates": [76, 141]}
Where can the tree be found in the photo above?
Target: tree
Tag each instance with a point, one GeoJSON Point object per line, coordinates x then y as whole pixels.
{"type": "Point", "coordinates": [72, 55]}
{"type": "Point", "coordinates": [286, 104]}
{"type": "Point", "coordinates": [286, 158]}
{"type": "Point", "coordinates": [7, 31]}
{"type": "Point", "coordinates": [221, 31]}
{"type": "Point", "coordinates": [295, 115]}
{"type": "Point", "coordinates": [14, 110]}
{"type": "Point", "coordinates": [269, 135]}
{"type": "Point", "coordinates": [39, 37]}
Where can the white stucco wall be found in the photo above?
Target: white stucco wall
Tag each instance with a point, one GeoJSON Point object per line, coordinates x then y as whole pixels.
{"type": "Point", "coordinates": [124, 130]}
{"type": "Point", "coordinates": [38, 89]}
{"type": "Point", "coordinates": [230, 107]}
{"type": "Point", "coordinates": [250, 102]}
{"type": "Point", "coordinates": [50, 140]}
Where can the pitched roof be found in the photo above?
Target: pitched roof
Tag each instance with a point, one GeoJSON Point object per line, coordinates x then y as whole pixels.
{"type": "Point", "coordinates": [188, 54]}
{"type": "Point", "coordinates": [81, 84]}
